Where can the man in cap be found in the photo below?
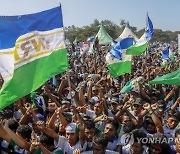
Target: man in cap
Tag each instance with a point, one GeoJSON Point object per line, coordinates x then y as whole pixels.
{"type": "Point", "coordinates": [137, 107]}
{"type": "Point", "coordinates": [66, 104]}
{"type": "Point", "coordinates": [114, 103]}
{"type": "Point", "coordinates": [68, 143]}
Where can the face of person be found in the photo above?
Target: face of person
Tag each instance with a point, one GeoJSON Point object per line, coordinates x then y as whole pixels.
{"type": "Point", "coordinates": [118, 87]}
{"type": "Point", "coordinates": [103, 88]}
{"type": "Point", "coordinates": [98, 149]}
{"type": "Point", "coordinates": [172, 122]}
{"type": "Point", "coordinates": [89, 133]}
{"type": "Point", "coordinates": [61, 128]}
{"type": "Point", "coordinates": [114, 106]}
{"type": "Point", "coordinates": [125, 119]}
{"type": "Point", "coordinates": [177, 139]}
{"type": "Point", "coordinates": [136, 148]}
{"type": "Point", "coordinates": [92, 106]}
{"type": "Point", "coordinates": [97, 108]}
{"type": "Point", "coordinates": [151, 127]}
{"type": "Point", "coordinates": [72, 138]}
{"type": "Point", "coordinates": [137, 108]}
{"type": "Point", "coordinates": [112, 91]}
{"type": "Point", "coordinates": [95, 91]}
{"type": "Point", "coordinates": [110, 130]}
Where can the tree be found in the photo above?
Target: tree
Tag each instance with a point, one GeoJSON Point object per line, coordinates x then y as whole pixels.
{"type": "Point", "coordinates": [114, 31]}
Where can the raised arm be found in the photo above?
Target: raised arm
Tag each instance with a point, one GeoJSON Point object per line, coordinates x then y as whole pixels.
{"type": "Point", "coordinates": [16, 138]}
{"type": "Point", "coordinates": [155, 118]}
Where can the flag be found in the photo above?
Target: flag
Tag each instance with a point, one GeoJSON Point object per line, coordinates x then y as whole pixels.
{"type": "Point", "coordinates": [142, 43]}
{"type": "Point", "coordinates": [168, 55]}
{"type": "Point", "coordinates": [133, 85]}
{"type": "Point", "coordinates": [113, 43]}
{"type": "Point", "coordinates": [118, 62]}
{"type": "Point", "coordinates": [53, 81]}
{"type": "Point", "coordinates": [149, 29]}
{"type": "Point", "coordinates": [172, 78]}
{"type": "Point", "coordinates": [103, 36]}
{"type": "Point", "coordinates": [128, 87]}
{"type": "Point", "coordinates": [32, 50]}
{"type": "Point", "coordinates": [84, 47]}
{"type": "Point", "coordinates": [91, 39]}
{"type": "Point", "coordinates": [41, 102]}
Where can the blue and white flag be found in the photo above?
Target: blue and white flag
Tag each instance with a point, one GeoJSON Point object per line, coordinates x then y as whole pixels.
{"type": "Point", "coordinates": [41, 102]}
{"type": "Point", "coordinates": [149, 29]}
{"type": "Point", "coordinates": [142, 44]}
{"type": "Point", "coordinates": [118, 62]}
{"type": "Point", "coordinates": [168, 55]}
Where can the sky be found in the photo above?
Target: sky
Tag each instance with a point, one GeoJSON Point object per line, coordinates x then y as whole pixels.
{"type": "Point", "coordinates": [165, 14]}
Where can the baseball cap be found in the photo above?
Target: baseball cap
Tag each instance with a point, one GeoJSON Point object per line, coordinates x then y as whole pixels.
{"type": "Point", "coordinates": [114, 100]}
{"type": "Point", "coordinates": [71, 128]}
{"type": "Point", "coordinates": [94, 100]}
{"type": "Point", "coordinates": [138, 101]}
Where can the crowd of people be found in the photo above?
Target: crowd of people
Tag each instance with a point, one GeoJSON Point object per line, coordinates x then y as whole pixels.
{"type": "Point", "coordinates": [83, 111]}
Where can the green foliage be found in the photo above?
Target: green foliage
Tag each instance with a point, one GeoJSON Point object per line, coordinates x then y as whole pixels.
{"type": "Point", "coordinates": [114, 31]}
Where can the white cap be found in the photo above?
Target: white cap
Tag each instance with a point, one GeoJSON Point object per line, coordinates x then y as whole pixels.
{"type": "Point", "coordinates": [94, 100]}
{"type": "Point", "coordinates": [66, 102]}
{"type": "Point", "coordinates": [71, 128]}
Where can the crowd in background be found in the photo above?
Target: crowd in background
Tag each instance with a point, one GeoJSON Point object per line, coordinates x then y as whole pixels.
{"type": "Point", "coordinates": [83, 111]}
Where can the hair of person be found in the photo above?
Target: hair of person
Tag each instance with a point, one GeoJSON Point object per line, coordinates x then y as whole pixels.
{"type": "Point", "coordinates": [177, 132]}
{"type": "Point", "coordinates": [7, 114]}
{"type": "Point", "coordinates": [101, 139]}
{"type": "Point", "coordinates": [89, 124]}
{"type": "Point", "coordinates": [39, 109]}
{"type": "Point", "coordinates": [25, 131]}
{"type": "Point", "coordinates": [13, 124]}
{"type": "Point", "coordinates": [137, 134]}
{"type": "Point", "coordinates": [174, 114]}
{"type": "Point", "coordinates": [128, 127]}
{"type": "Point", "coordinates": [164, 145]}
{"type": "Point", "coordinates": [113, 122]}
{"type": "Point", "coordinates": [67, 116]}
{"type": "Point", "coordinates": [47, 140]}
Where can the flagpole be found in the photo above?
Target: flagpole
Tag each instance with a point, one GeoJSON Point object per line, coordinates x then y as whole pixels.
{"type": "Point", "coordinates": [68, 75]}
{"type": "Point", "coordinates": [69, 84]}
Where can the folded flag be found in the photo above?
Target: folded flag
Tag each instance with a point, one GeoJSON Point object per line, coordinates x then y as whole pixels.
{"type": "Point", "coordinates": [118, 62]}
{"type": "Point", "coordinates": [168, 55]}
{"type": "Point", "coordinates": [128, 87]}
{"type": "Point", "coordinates": [133, 85]}
{"type": "Point", "coordinates": [142, 43]}
{"type": "Point", "coordinates": [172, 78]}
{"type": "Point", "coordinates": [32, 51]}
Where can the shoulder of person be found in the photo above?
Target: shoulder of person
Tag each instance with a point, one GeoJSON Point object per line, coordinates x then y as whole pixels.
{"type": "Point", "coordinates": [111, 152]}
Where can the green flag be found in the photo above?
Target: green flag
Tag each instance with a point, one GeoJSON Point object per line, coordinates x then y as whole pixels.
{"type": "Point", "coordinates": [172, 78]}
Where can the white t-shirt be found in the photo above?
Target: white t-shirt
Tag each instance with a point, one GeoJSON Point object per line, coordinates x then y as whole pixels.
{"type": "Point", "coordinates": [65, 146]}
{"type": "Point", "coordinates": [125, 139]}
{"type": "Point", "coordinates": [126, 149]}
{"type": "Point", "coordinates": [106, 152]}
{"type": "Point", "coordinates": [169, 133]}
